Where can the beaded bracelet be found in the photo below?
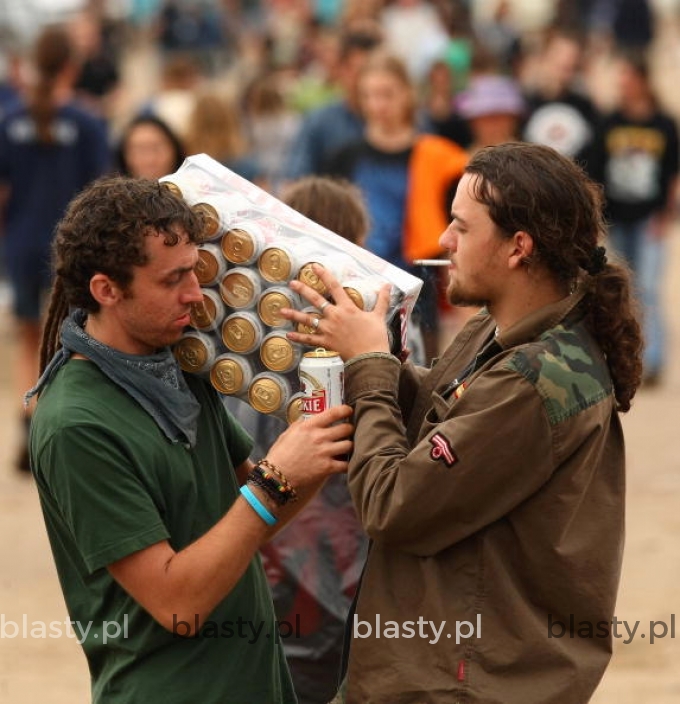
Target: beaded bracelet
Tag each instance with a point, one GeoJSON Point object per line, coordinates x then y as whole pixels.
{"type": "Point", "coordinates": [273, 483]}
{"type": "Point", "coordinates": [272, 490]}
{"type": "Point", "coordinates": [264, 462]}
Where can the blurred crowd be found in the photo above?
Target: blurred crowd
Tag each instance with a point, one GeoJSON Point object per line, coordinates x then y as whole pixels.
{"type": "Point", "coordinates": [391, 95]}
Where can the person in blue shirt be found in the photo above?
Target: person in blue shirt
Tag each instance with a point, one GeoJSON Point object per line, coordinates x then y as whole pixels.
{"type": "Point", "coordinates": [325, 130]}
{"type": "Point", "coordinates": [50, 148]}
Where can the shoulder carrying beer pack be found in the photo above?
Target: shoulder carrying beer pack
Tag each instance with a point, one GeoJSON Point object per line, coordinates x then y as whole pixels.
{"type": "Point", "coordinates": [253, 246]}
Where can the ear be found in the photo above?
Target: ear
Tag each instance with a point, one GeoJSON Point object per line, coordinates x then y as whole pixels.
{"type": "Point", "coordinates": [105, 291]}
{"type": "Point", "coordinates": [521, 248]}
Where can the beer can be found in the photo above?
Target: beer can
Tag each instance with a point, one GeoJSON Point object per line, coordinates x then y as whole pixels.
{"type": "Point", "coordinates": [210, 218]}
{"type": "Point", "coordinates": [322, 379]}
{"type": "Point", "coordinates": [195, 352]}
{"type": "Point", "coordinates": [240, 287]}
{"type": "Point", "coordinates": [269, 393]}
{"type": "Point", "coordinates": [243, 242]}
{"type": "Point", "coordinates": [218, 211]}
{"type": "Point", "coordinates": [242, 332]}
{"type": "Point", "coordinates": [340, 266]}
{"type": "Point", "coordinates": [303, 327]}
{"type": "Point", "coordinates": [231, 374]}
{"type": "Point", "coordinates": [278, 353]}
{"type": "Point", "coordinates": [363, 292]}
{"type": "Point", "coordinates": [209, 313]}
{"type": "Point", "coordinates": [182, 186]}
{"type": "Point", "coordinates": [271, 301]}
{"type": "Point", "coordinates": [294, 407]}
{"type": "Point", "coordinates": [210, 267]}
{"type": "Point", "coordinates": [280, 262]}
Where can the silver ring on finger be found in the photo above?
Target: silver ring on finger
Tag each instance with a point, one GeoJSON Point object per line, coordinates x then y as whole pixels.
{"type": "Point", "coordinates": [323, 306]}
{"type": "Point", "coordinates": [315, 323]}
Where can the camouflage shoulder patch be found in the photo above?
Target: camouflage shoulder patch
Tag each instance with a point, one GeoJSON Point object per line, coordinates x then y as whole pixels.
{"type": "Point", "coordinates": [567, 369]}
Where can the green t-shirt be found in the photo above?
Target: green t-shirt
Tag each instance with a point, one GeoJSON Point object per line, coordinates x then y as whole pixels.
{"type": "Point", "coordinates": [110, 483]}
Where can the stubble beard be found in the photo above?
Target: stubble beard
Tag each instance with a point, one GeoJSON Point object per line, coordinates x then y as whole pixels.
{"type": "Point", "coordinates": [458, 297]}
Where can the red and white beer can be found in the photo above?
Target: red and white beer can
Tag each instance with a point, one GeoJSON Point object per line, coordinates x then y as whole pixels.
{"type": "Point", "coordinates": [322, 381]}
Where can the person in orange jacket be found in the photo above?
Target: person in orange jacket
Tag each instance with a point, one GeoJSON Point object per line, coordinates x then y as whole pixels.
{"type": "Point", "coordinates": [407, 179]}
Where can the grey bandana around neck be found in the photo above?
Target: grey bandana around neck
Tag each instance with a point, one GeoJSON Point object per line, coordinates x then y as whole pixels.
{"type": "Point", "coordinates": [155, 381]}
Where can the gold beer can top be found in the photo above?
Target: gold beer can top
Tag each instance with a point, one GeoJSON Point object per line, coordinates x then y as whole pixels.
{"type": "Point", "coordinates": [211, 220]}
{"type": "Point", "coordinates": [266, 395]}
{"type": "Point", "coordinates": [275, 264]}
{"type": "Point", "coordinates": [203, 314]}
{"type": "Point", "coordinates": [172, 187]}
{"type": "Point", "coordinates": [294, 408]}
{"type": "Point", "coordinates": [238, 289]}
{"type": "Point", "coordinates": [320, 353]}
{"type": "Point", "coordinates": [227, 376]}
{"type": "Point", "coordinates": [238, 246]}
{"type": "Point", "coordinates": [207, 267]}
{"type": "Point", "coordinates": [239, 334]}
{"type": "Point", "coordinates": [307, 276]}
{"type": "Point", "coordinates": [191, 354]}
{"type": "Point", "coordinates": [269, 307]}
{"type": "Point", "coordinates": [277, 353]}
{"type": "Point", "coordinates": [355, 296]}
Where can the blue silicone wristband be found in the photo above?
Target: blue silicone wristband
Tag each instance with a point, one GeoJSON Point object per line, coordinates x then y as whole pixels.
{"type": "Point", "coordinates": [258, 506]}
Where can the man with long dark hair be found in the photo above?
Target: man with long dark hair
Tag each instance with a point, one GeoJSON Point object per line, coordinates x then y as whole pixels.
{"type": "Point", "coordinates": [492, 486]}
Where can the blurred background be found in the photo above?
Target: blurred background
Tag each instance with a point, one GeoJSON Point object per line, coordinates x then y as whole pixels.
{"type": "Point", "coordinates": [272, 90]}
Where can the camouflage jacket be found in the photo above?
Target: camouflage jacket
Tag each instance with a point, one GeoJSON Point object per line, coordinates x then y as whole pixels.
{"type": "Point", "coordinates": [496, 510]}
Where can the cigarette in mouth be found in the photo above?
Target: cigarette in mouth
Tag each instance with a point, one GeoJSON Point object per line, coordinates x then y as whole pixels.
{"type": "Point", "coordinates": [431, 262]}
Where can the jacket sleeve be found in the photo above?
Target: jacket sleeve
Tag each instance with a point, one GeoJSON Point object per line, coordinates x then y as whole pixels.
{"type": "Point", "coordinates": [479, 457]}
{"type": "Point", "coordinates": [409, 382]}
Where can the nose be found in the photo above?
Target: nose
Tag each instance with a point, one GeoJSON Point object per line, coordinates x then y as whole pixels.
{"type": "Point", "coordinates": [192, 293]}
{"type": "Point", "coordinates": [447, 240]}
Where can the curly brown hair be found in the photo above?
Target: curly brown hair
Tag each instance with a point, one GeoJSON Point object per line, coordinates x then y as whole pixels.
{"type": "Point", "coordinates": [104, 231]}
{"type": "Point", "coordinates": [532, 188]}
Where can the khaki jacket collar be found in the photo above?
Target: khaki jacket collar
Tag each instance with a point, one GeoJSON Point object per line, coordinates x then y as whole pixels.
{"type": "Point", "coordinates": [535, 324]}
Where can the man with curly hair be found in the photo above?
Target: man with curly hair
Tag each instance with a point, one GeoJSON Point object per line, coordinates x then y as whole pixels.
{"type": "Point", "coordinates": [154, 512]}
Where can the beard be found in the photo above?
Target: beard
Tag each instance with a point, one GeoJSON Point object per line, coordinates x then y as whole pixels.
{"type": "Point", "coordinates": [456, 296]}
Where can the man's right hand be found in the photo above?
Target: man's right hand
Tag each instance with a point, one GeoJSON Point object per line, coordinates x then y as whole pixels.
{"type": "Point", "coordinates": [311, 449]}
{"type": "Point", "coordinates": [187, 585]}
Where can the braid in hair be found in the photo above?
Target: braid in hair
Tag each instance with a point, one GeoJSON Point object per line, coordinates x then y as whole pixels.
{"type": "Point", "coordinates": [57, 312]}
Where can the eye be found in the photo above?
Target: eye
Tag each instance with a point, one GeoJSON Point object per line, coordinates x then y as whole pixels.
{"type": "Point", "coordinates": [173, 280]}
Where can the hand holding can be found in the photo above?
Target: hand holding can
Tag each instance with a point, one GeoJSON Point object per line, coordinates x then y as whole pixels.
{"type": "Point", "coordinates": [325, 439]}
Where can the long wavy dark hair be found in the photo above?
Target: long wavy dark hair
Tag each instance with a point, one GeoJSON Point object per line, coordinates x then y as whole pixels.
{"type": "Point", "coordinates": [532, 188]}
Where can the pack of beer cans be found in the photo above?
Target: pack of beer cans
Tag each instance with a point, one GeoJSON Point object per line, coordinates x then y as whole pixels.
{"type": "Point", "coordinates": [253, 245]}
